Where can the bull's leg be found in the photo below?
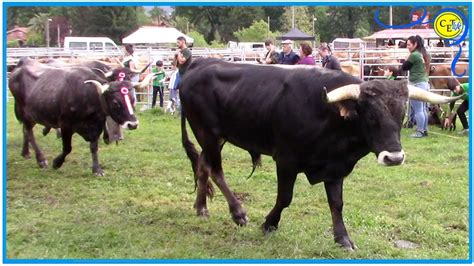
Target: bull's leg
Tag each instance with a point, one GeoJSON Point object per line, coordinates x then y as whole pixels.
{"type": "Point", "coordinates": [66, 135]}
{"type": "Point", "coordinates": [213, 158]}
{"type": "Point", "coordinates": [94, 147]}
{"type": "Point", "coordinates": [202, 178]}
{"type": "Point", "coordinates": [25, 152]}
{"type": "Point", "coordinates": [286, 182]}
{"type": "Point", "coordinates": [106, 136]}
{"type": "Point", "coordinates": [334, 195]}
{"type": "Point", "coordinates": [30, 137]}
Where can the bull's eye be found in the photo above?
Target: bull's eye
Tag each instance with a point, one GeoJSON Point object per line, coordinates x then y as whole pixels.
{"type": "Point", "coordinates": [115, 104]}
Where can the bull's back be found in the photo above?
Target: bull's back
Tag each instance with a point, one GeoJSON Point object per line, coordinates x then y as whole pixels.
{"type": "Point", "coordinates": [61, 96]}
{"type": "Point", "coordinates": [244, 103]}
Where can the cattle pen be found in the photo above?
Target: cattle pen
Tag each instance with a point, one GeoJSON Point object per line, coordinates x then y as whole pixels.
{"type": "Point", "coordinates": [365, 63]}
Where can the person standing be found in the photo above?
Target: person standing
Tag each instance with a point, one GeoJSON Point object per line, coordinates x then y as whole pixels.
{"type": "Point", "coordinates": [158, 83]}
{"type": "Point", "coordinates": [418, 63]}
{"type": "Point", "coordinates": [184, 55]}
{"type": "Point", "coordinates": [130, 62]}
{"type": "Point", "coordinates": [271, 57]}
{"type": "Point", "coordinates": [183, 59]}
{"type": "Point", "coordinates": [457, 89]}
{"type": "Point", "coordinates": [328, 61]}
{"type": "Point", "coordinates": [287, 56]}
{"type": "Point", "coordinates": [306, 54]}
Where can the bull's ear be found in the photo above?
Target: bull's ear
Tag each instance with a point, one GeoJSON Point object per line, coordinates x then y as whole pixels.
{"type": "Point", "coordinates": [346, 110]}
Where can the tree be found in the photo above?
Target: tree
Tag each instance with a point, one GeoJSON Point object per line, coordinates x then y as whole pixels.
{"type": "Point", "coordinates": [142, 17]}
{"type": "Point", "coordinates": [303, 19]}
{"type": "Point", "coordinates": [257, 32]}
{"type": "Point", "coordinates": [20, 16]}
{"type": "Point", "coordinates": [182, 24]}
{"type": "Point", "coordinates": [113, 22]}
{"type": "Point", "coordinates": [275, 13]}
{"type": "Point", "coordinates": [219, 23]}
{"type": "Point", "coordinates": [37, 25]}
{"type": "Point", "coordinates": [199, 40]}
{"type": "Point", "coordinates": [157, 14]}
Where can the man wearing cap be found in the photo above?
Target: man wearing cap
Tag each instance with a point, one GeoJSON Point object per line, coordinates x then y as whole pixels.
{"type": "Point", "coordinates": [287, 56]}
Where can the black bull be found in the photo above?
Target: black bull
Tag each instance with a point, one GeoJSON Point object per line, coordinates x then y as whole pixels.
{"type": "Point", "coordinates": [72, 99]}
{"type": "Point", "coordinates": [313, 121]}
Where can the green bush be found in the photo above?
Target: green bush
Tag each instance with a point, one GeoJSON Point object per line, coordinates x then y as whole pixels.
{"type": "Point", "coordinates": [35, 39]}
{"type": "Point", "coordinates": [13, 44]}
{"type": "Point", "coordinates": [258, 31]}
{"type": "Point", "coordinates": [199, 40]}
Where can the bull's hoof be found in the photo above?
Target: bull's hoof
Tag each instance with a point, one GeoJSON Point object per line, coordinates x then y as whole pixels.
{"type": "Point", "coordinates": [203, 213]}
{"type": "Point", "coordinates": [240, 219]}
{"type": "Point", "coordinates": [267, 229]}
{"type": "Point", "coordinates": [26, 156]}
{"type": "Point", "coordinates": [43, 164]}
{"type": "Point", "coordinates": [346, 243]}
{"type": "Point", "coordinates": [57, 163]}
{"type": "Point", "coordinates": [100, 172]}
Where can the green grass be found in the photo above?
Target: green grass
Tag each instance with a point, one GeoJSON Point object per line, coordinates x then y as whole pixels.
{"type": "Point", "coordinates": [143, 206]}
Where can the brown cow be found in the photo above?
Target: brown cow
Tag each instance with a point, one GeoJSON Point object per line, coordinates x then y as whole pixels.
{"type": "Point", "coordinates": [445, 70]}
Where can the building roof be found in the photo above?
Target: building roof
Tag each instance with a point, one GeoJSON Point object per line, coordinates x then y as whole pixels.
{"type": "Point", "coordinates": [295, 34]}
{"type": "Point", "coordinates": [155, 35]}
{"type": "Point", "coordinates": [16, 28]}
{"type": "Point", "coordinates": [403, 34]}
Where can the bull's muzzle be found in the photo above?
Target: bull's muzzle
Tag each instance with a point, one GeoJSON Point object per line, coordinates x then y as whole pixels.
{"type": "Point", "coordinates": [130, 125]}
{"type": "Point", "coordinates": [391, 158]}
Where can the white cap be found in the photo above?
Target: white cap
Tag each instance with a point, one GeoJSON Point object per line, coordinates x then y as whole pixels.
{"type": "Point", "coordinates": [287, 42]}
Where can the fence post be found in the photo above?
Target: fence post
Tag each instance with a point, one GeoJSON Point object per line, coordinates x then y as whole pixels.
{"type": "Point", "coordinates": [149, 91]}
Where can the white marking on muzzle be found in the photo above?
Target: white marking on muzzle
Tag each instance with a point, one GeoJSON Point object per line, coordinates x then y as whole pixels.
{"type": "Point", "coordinates": [130, 124]}
{"type": "Point", "coordinates": [392, 156]}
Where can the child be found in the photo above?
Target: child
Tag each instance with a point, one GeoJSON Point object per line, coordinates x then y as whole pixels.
{"type": "Point", "coordinates": [391, 72]}
{"type": "Point", "coordinates": [174, 94]}
{"type": "Point", "coordinates": [158, 83]}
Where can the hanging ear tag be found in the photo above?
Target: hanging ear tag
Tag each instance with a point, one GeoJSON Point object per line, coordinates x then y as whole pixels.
{"type": "Point", "coordinates": [124, 92]}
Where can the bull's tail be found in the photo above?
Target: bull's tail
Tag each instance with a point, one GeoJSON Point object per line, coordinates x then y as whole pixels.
{"type": "Point", "coordinates": [193, 155]}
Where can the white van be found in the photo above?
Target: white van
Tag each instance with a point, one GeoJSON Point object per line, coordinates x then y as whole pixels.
{"type": "Point", "coordinates": [91, 44]}
{"type": "Point", "coordinates": [246, 46]}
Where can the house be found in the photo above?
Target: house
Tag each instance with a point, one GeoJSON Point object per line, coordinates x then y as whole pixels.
{"type": "Point", "coordinates": [17, 33]}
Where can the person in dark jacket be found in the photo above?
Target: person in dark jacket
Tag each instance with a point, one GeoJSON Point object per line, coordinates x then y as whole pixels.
{"type": "Point", "coordinates": [287, 56]}
{"type": "Point", "coordinates": [328, 60]}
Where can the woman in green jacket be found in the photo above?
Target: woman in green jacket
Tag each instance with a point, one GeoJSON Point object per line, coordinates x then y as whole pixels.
{"type": "Point", "coordinates": [418, 63]}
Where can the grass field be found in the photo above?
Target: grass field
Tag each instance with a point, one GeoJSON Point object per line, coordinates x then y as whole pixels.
{"type": "Point", "coordinates": [143, 206]}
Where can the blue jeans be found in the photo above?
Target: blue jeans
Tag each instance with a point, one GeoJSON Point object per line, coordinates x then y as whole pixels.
{"type": "Point", "coordinates": [420, 108]}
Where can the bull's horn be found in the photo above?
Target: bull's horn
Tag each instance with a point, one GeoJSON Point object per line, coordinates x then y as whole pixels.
{"type": "Point", "coordinates": [347, 92]}
{"type": "Point", "coordinates": [98, 69]}
{"type": "Point", "coordinates": [416, 93]}
{"type": "Point", "coordinates": [108, 74]}
{"type": "Point", "coordinates": [145, 81]}
{"type": "Point", "coordinates": [100, 88]}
